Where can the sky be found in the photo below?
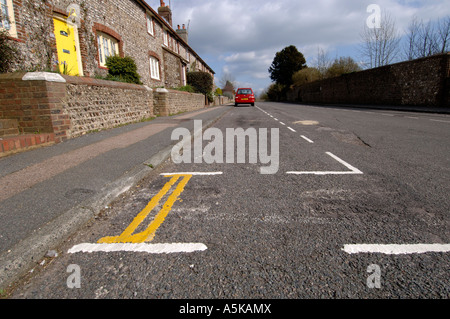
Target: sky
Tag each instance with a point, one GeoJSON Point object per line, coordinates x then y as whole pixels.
{"type": "Point", "coordinates": [241, 37]}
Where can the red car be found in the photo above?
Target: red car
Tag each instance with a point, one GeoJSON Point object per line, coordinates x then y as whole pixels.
{"type": "Point", "coordinates": [244, 96]}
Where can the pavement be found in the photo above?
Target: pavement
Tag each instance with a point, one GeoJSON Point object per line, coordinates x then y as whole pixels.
{"type": "Point", "coordinates": [47, 194]}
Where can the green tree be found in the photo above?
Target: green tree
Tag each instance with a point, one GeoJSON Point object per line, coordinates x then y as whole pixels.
{"type": "Point", "coordinates": [285, 64]}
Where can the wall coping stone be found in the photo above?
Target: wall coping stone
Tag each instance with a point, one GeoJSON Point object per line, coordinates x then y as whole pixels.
{"type": "Point", "coordinates": [161, 90]}
{"type": "Point", "coordinates": [84, 80]}
{"type": "Point", "coordinates": [43, 76]}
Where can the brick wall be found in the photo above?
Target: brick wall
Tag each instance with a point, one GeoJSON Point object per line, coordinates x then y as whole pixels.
{"type": "Point", "coordinates": [422, 82]}
{"type": "Point", "coordinates": [70, 106]}
{"type": "Point", "coordinates": [35, 105]}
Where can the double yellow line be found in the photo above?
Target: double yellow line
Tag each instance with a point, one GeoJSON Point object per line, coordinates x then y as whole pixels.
{"type": "Point", "coordinates": [148, 234]}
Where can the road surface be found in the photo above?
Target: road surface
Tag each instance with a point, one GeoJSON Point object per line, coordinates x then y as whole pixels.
{"type": "Point", "coordinates": [357, 207]}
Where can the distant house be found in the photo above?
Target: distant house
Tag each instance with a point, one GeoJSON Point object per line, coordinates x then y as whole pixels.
{"type": "Point", "coordinates": [76, 36]}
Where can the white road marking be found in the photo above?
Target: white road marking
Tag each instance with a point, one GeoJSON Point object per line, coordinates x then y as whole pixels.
{"type": "Point", "coordinates": [392, 249]}
{"type": "Point", "coordinates": [440, 121]}
{"type": "Point", "coordinates": [412, 117]}
{"type": "Point", "coordinates": [282, 123]}
{"type": "Point", "coordinates": [307, 139]}
{"type": "Point", "coordinates": [387, 114]}
{"type": "Point", "coordinates": [139, 248]}
{"type": "Point", "coordinates": [193, 173]}
{"type": "Point", "coordinates": [292, 129]}
{"type": "Point", "coordinates": [353, 170]}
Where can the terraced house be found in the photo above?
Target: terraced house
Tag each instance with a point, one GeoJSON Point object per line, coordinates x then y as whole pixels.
{"type": "Point", "coordinates": [76, 37]}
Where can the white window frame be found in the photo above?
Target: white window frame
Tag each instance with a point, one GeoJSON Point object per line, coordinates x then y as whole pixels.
{"type": "Point", "coordinates": [183, 75]}
{"type": "Point", "coordinates": [107, 46]}
{"type": "Point", "coordinates": [150, 27]}
{"type": "Point", "coordinates": [165, 38]}
{"type": "Point", "coordinates": [154, 68]}
{"type": "Point", "coordinates": [8, 23]}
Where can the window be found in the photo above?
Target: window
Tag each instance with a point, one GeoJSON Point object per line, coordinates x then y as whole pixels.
{"type": "Point", "coordinates": [107, 46]}
{"type": "Point", "coordinates": [150, 29]}
{"type": "Point", "coordinates": [165, 38]}
{"type": "Point", "coordinates": [154, 68]}
{"type": "Point", "coordinates": [7, 17]}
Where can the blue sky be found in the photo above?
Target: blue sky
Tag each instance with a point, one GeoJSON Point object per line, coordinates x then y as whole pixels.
{"type": "Point", "coordinates": [241, 37]}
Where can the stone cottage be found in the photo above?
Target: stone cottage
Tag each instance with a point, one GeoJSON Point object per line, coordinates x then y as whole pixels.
{"type": "Point", "coordinates": [76, 37]}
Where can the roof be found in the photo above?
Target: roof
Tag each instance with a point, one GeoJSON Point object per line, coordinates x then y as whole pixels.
{"type": "Point", "coordinates": [170, 28]}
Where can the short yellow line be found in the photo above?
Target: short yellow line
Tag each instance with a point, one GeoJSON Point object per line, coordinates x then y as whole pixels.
{"type": "Point", "coordinates": [148, 234]}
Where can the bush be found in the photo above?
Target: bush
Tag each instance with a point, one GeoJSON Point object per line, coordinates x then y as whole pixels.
{"type": "Point", "coordinates": [122, 69]}
{"type": "Point", "coordinates": [201, 81]}
{"type": "Point", "coordinates": [186, 88]}
{"type": "Point", "coordinates": [277, 92]}
{"type": "Point", "coordinates": [306, 75]}
{"type": "Point", "coordinates": [341, 66]}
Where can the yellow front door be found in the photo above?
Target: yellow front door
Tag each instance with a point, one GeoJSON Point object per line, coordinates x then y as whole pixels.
{"type": "Point", "coordinates": [67, 48]}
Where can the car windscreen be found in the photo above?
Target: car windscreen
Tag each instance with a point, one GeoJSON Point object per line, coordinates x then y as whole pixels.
{"type": "Point", "coordinates": [244, 92]}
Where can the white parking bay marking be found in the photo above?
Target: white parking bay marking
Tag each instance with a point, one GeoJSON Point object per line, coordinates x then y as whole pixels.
{"type": "Point", "coordinates": [139, 248]}
{"type": "Point", "coordinates": [193, 173]}
{"type": "Point", "coordinates": [394, 249]}
{"type": "Point", "coordinates": [353, 170]}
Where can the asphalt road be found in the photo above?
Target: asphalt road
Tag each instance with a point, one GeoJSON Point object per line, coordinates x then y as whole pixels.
{"type": "Point", "coordinates": [345, 176]}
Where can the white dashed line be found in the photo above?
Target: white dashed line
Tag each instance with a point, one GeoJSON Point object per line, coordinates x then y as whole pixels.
{"type": "Point", "coordinates": [307, 139]}
{"type": "Point", "coordinates": [292, 129]}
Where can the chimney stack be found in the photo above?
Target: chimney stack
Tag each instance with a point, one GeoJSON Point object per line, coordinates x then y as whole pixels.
{"type": "Point", "coordinates": [183, 33]}
{"type": "Point", "coordinates": [165, 12]}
